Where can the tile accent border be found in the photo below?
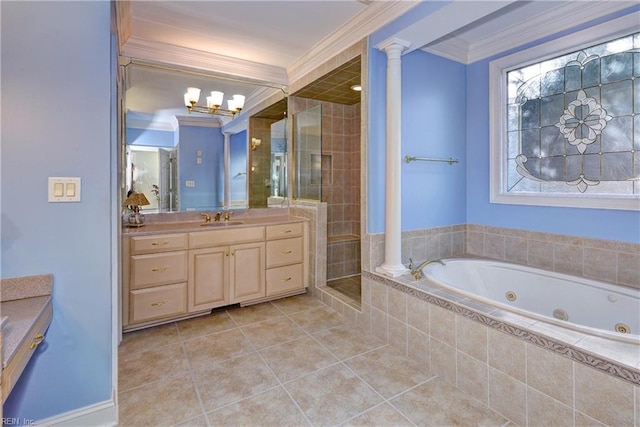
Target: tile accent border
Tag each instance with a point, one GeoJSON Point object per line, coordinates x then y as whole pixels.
{"type": "Point", "coordinates": [575, 354]}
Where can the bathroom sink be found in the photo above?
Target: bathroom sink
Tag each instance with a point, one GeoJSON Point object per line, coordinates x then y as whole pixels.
{"type": "Point", "coordinates": [220, 224]}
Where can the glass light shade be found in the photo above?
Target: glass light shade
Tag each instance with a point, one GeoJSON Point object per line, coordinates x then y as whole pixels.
{"type": "Point", "coordinates": [186, 100]}
{"type": "Point", "coordinates": [210, 103]}
{"type": "Point", "coordinates": [239, 101]}
{"type": "Point", "coordinates": [194, 94]}
{"type": "Point", "coordinates": [231, 104]}
{"type": "Point", "coordinates": [216, 97]}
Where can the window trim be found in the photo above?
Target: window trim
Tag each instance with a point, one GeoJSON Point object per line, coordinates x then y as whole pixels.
{"type": "Point", "coordinates": [498, 69]}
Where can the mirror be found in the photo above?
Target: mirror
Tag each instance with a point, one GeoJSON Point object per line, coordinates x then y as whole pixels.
{"type": "Point", "coordinates": [177, 158]}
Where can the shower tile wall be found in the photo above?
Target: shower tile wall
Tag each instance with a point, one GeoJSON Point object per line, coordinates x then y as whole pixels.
{"type": "Point", "coordinates": [340, 182]}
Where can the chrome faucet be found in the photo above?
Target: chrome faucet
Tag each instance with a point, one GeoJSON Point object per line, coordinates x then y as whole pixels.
{"type": "Point", "coordinates": [417, 272]}
{"type": "Point", "coordinates": [227, 215]}
{"type": "Point", "coordinates": [207, 217]}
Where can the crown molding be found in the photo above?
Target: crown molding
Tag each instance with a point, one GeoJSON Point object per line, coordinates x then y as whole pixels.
{"type": "Point", "coordinates": [554, 21]}
{"type": "Point", "coordinates": [375, 16]}
{"type": "Point", "coordinates": [151, 124]}
{"type": "Point", "coordinates": [454, 49]}
{"type": "Point", "coordinates": [152, 51]}
{"type": "Point", "coordinates": [203, 122]}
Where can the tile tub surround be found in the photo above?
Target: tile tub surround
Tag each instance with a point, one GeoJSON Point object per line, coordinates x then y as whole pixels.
{"type": "Point", "coordinates": [527, 372]}
{"type": "Point", "coordinates": [315, 371]}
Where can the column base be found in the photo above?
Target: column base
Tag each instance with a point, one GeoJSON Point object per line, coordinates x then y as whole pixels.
{"type": "Point", "coordinates": [392, 270]}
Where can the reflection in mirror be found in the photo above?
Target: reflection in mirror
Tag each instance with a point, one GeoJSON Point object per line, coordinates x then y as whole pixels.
{"type": "Point", "coordinates": [268, 135]}
{"type": "Point", "coordinates": [176, 158]}
{"type": "Point", "coordinates": [278, 163]}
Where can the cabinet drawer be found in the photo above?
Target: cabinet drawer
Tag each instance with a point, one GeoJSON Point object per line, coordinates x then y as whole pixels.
{"type": "Point", "coordinates": [284, 279]}
{"type": "Point", "coordinates": [229, 236]}
{"type": "Point", "coordinates": [283, 231]}
{"type": "Point", "coordinates": [158, 243]}
{"type": "Point", "coordinates": [25, 350]}
{"type": "Point", "coordinates": [157, 303]}
{"type": "Point", "coordinates": [283, 252]}
{"type": "Point", "coordinates": [158, 269]}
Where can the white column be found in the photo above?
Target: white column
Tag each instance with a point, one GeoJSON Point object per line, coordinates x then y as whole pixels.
{"type": "Point", "coordinates": [392, 265]}
{"type": "Point", "coordinates": [227, 170]}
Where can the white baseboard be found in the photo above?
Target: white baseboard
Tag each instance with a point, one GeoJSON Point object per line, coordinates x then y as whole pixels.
{"type": "Point", "coordinates": [99, 414]}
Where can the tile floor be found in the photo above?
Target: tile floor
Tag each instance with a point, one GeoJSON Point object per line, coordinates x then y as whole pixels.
{"type": "Point", "coordinates": [291, 362]}
{"type": "Point", "coordinates": [349, 286]}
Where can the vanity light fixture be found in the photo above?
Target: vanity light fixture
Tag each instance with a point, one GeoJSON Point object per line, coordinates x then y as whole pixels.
{"type": "Point", "coordinates": [214, 103]}
{"type": "Point", "coordinates": [255, 143]}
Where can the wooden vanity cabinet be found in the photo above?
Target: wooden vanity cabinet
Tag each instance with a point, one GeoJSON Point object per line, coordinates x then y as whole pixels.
{"type": "Point", "coordinates": [155, 277]}
{"type": "Point", "coordinates": [227, 266]}
{"type": "Point", "coordinates": [286, 252]}
{"type": "Point", "coordinates": [175, 276]}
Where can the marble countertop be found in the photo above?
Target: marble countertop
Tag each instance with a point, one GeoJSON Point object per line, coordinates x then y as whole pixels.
{"type": "Point", "coordinates": [153, 227]}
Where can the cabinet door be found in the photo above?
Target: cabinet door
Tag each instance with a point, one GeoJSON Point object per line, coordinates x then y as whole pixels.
{"type": "Point", "coordinates": [247, 272]}
{"type": "Point", "coordinates": [208, 278]}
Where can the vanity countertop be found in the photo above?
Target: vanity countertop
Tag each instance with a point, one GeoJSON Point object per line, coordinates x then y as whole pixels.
{"type": "Point", "coordinates": [152, 227]}
{"type": "Point", "coordinates": [21, 316]}
{"type": "Point", "coordinates": [25, 300]}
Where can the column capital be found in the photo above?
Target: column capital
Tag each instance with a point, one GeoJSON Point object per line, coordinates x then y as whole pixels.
{"type": "Point", "coordinates": [393, 44]}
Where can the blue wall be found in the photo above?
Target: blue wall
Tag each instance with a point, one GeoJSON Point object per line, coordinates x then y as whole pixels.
{"type": "Point", "coordinates": [594, 223]}
{"type": "Point", "coordinates": [208, 192]}
{"type": "Point", "coordinates": [151, 137]}
{"type": "Point", "coordinates": [51, 52]}
{"type": "Point", "coordinates": [238, 163]}
{"type": "Point", "coordinates": [433, 125]}
{"type": "Point", "coordinates": [445, 112]}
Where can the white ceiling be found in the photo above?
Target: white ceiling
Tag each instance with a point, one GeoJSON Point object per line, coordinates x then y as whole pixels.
{"type": "Point", "coordinates": [275, 38]}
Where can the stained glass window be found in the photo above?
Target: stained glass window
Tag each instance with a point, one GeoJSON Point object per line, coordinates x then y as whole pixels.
{"type": "Point", "coordinates": [570, 123]}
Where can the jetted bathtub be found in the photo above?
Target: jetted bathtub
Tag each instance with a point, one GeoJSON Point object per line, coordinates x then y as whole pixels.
{"type": "Point", "coordinates": [589, 306]}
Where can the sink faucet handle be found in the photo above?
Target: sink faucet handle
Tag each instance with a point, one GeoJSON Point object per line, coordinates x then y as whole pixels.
{"type": "Point", "coordinates": [227, 215]}
{"type": "Point", "coordinates": [410, 263]}
{"type": "Point", "coordinates": [207, 217]}
{"type": "Point", "coordinates": [217, 216]}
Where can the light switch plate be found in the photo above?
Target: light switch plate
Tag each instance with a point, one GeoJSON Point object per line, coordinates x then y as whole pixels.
{"type": "Point", "coordinates": [64, 189]}
{"type": "Point", "coordinates": [190, 184]}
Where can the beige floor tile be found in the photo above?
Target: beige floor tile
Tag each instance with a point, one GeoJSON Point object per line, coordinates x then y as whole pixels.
{"type": "Point", "coordinates": [272, 332]}
{"type": "Point", "coordinates": [205, 325]}
{"type": "Point", "coordinates": [271, 408]}
{"type": "Point", "coordinates": [332, 395]}
{"type": "Point", "coordinates": [438, 403]}
{"type": "Point", "coordinates": [232, 380]}
{"type": "Point", "coordinates": [200, 421]}
{"type": "Point", "coordinates": [347, 341]}
{"type": "Point", "coordinates": [163, 403]}
{"type": "Point", "coordinates": [317, 319]}
{"type": "Point", "coordinates": [383, 415]}
{"type": "Point", "coordinates": [297, 358]}
{"type": "Point", "coordinates": [204, 351]}
{"type": "Point", "coordinates": [254, 313]}
{"type": "Point", "coordinates": [296, 303]}
{"type": "Point", "coordinates": [146, 339]}
{"type": "Point", "coordinates": [143, 367]}
{"type": "Point", "coordinates": [387, 371]}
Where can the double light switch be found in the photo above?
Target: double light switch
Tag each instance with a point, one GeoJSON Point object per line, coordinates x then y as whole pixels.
{"type": "Point", "coordinates": [64, 189]}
